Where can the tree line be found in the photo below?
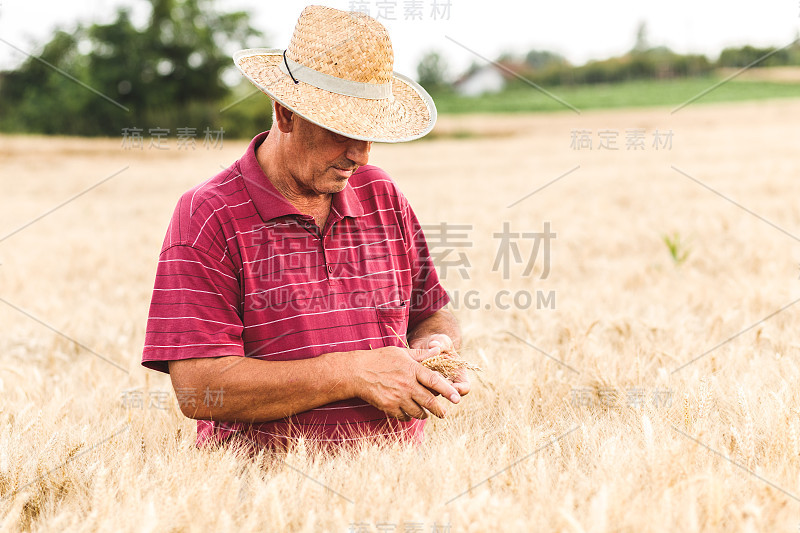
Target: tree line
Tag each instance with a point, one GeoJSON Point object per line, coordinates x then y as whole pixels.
{"type": "Point", "coordinates": [107, 79]}
{"type": "Point", "coordinates": [643, 61]}
{"type": "Point", "coordinates": [102, 79]}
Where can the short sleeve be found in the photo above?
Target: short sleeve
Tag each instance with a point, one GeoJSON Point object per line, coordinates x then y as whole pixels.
{"type": "Point", "coordinates": [194, 309]}
{"type": "Point", "coordinates": [427, 293]}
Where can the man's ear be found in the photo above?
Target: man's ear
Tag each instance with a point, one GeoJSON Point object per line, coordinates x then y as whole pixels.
{"type": "Point", "coordinates": [282, 117]}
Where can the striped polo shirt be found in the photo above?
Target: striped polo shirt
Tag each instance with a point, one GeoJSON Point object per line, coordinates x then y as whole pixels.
{"type": "Point", "coordinates": [242, 272]}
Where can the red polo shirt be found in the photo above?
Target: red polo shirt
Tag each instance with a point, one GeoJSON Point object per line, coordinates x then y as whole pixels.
{"type": "Point", "coordinates": [242, 272]}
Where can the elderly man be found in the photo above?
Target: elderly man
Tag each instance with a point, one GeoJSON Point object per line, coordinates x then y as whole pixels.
{"type": "Point", "coordinates": [289, 283]}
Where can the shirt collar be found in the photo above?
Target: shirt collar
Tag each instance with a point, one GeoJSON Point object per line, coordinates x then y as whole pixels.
{"type": "Point", "coordinates": [346, 202]}
{"type": "Point", "coordinates": [270, 203]}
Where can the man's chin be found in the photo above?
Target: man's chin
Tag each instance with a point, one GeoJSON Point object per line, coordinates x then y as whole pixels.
{"type": "Point", "coordinates": [336, 185]}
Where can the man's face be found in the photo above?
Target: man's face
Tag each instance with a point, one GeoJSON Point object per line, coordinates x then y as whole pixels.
{"type": "Point", "coordinates": [323, 161]}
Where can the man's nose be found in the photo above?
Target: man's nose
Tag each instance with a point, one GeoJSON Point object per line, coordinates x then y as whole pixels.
{"type": "Point", "coordinates": [358, 152]}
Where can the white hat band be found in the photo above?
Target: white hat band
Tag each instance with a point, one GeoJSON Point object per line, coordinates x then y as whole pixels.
{"type": "Point", "coordinates": [326, 82]}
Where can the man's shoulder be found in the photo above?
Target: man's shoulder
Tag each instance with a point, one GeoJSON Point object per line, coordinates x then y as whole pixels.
{"type": "Point", "coordinates": [201, 210]}
{"type": "Point", "coordinates": [218, 191]}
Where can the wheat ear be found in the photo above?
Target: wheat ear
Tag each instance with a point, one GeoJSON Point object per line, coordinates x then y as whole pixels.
{"type": "Point", "coordinates": [447, 363]}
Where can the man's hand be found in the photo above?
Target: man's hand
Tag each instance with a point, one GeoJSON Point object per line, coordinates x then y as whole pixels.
{"type": "Point", "coordinates": [434, 345]}
{"type": "Point", "coordinates": [392, 380]}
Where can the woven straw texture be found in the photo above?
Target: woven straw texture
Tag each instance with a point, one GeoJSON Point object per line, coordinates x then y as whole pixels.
{"type": "Point", "coordinates": [350, 46]}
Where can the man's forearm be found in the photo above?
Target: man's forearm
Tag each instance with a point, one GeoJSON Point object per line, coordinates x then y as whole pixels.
{"type": "Point", "coordinates": [254, 390]}
{"type": "Point", "coordinates": [441, 322]}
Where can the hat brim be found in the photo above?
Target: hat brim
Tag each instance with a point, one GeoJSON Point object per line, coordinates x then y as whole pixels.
{"type": "Point", "coordinates": [409, 113]}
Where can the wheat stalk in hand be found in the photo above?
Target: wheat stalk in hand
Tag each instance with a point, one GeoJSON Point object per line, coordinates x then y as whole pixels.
{"type": "Point", "coordinates": [448, 363]}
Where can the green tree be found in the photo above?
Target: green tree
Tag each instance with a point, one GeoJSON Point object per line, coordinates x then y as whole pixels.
{"type": "Point", "coordinates": [168, 74]}
{"type": "Point", "coordinates": [38, 98]}
{"type": "Point", "coordinates": [541, 59]}
{"type": "Point", "coordinates": [741, 57]}
{"type": "Point", "coordinates": [642, 42]}
{"type": "Point", "coordinates": [432, 72]}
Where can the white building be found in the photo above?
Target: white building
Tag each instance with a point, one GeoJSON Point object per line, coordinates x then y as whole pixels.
{"type": "Point", "coordinates": [486, 79]}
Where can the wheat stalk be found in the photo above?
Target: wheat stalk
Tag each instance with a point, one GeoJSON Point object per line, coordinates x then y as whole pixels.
{"type": "Point", "coordinates": [448, 363]}
{"type": "Point", "coordinates": [749, 439]}
{"type": "Point", "coordinates": [705, 400]}
{"type": "Point", "coordinates": [736, 441]}
{"type": "Point", "coordinates": [687, 412]}
{"type": "Point", "coordinates": [793, 434]}
{"type": "Point", "coordinates": [647, 430]}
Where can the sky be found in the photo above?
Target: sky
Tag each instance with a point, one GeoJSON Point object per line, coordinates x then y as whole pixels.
{"type": "Point", "coordinates": [464, 30]}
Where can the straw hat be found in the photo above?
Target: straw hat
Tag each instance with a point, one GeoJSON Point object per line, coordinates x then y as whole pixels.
{"type": "Point", "coordinates": [337, 73]}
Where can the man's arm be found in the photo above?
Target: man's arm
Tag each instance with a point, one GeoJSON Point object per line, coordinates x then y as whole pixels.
{"type": "Point", "coordinates": [440, 332]}
{"type": "Point", "coordinates": [255, 390]}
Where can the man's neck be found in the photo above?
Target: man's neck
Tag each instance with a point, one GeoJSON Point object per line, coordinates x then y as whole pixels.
{"type": "Point", "coordinates": [271, 158]}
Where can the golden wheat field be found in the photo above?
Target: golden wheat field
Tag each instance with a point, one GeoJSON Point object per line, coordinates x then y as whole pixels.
{"type": "Point", "coordinates": [643, 377]}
